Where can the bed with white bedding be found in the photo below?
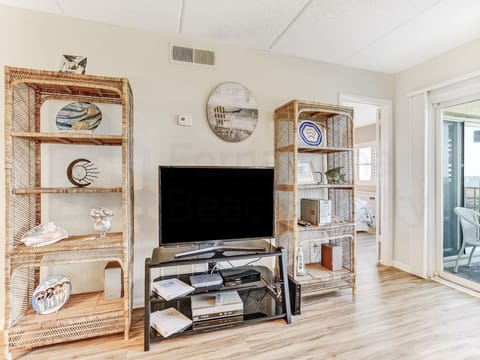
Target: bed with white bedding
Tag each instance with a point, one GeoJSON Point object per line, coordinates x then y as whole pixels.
{"type": "Point", "coordinates": [363, 215]}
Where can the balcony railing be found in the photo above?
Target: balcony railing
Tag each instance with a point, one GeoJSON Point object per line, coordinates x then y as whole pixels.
{"type": "Point", "coordinates": [472, 198]}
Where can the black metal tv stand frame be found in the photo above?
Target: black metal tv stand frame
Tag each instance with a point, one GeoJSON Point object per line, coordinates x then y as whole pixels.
{"type": "Point", "coordinates": [264, 300]}
{"type": "Point", "coordinates": [218, 250]}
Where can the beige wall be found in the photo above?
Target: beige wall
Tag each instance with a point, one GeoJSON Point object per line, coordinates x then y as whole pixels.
{"type": "Point", "coordinates": [163, 90]}
{"type": "Point", "coordinates": [410, 148]}
{"type": "Point", "coordinates": [365, 134]}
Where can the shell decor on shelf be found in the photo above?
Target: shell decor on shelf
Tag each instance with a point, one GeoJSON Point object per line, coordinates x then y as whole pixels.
{"type": "Point", "coordinates": [51, 294]}
{"type": "Point", "coordinates": [44, 234]}
{"type": "Point", "coordinates": [79, 116]}
{"type": "Point", "coordinates": [102, 221]}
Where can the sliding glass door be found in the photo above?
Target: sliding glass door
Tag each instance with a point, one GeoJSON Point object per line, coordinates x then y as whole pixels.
{"type": "Point", "coordinates": [452, 172]}
{"type": "Point", "coordinates": [460, 185]}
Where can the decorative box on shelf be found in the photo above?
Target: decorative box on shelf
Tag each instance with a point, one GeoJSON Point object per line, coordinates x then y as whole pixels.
{"type": "Point", "coordinates": [332, 257]}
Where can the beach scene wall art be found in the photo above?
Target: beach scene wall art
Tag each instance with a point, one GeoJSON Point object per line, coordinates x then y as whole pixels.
{"type": "Point", "coordinates": [232, 112]}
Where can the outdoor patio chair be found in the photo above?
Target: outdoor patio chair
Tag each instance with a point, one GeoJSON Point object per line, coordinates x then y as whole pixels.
{"type": "Point", "coordinates": [469, 220]}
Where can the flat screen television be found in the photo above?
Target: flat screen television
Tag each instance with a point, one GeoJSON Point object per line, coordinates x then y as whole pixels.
{"type": "Point", "coordinates": [215, 204]}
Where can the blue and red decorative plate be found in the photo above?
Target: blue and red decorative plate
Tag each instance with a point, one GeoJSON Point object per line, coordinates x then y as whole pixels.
{"type": "Point", "coordinates": [310, 134]}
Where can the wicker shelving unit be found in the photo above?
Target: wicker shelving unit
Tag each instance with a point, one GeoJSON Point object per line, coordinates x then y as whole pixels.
{"type": "Point", "coordinates": [88, 314]}
{"type": "Point", "coordinates": [337, 150]}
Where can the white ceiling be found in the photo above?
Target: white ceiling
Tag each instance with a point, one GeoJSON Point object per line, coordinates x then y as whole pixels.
{"type": "Point", "coordinates": [379, 35]}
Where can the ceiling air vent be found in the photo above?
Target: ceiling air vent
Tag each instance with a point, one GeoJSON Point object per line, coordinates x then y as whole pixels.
{"type": "Point", "coordinates": [192, 56]}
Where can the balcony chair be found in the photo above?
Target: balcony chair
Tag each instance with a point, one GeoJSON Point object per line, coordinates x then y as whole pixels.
{"type": "Point", "coordinates": [469, 220]}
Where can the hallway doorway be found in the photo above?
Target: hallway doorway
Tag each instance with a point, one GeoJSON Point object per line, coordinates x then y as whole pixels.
{"type": "Point", "coordinates": [373, 187]}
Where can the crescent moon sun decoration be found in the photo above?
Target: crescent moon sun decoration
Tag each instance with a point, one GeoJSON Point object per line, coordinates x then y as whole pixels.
{"type": "Point", "coordinates": [82, 172]}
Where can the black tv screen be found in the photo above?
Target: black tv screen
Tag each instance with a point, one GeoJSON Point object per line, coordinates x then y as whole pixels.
{"type": "Point", "coordinates": [198, 204]}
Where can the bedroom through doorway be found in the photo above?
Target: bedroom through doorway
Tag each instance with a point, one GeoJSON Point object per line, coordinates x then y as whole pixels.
{"type": "Point", "coordinates": [366, 150]}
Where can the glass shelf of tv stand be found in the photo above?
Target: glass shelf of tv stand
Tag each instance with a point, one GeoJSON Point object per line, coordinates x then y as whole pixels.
{"type": "Point", "coordinates": [165, 255]}
{"type": "Point", "coordinates": [266, 281]}
{"type": "Point", "coordinates": [260, 304]}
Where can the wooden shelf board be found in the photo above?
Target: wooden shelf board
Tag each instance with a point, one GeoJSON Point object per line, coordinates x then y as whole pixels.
{"type": "Point", "coordinates": [316, 273]}
{"type": "Point", "coordinates": [285, 187]}
{"type": "Point", "coordinates": [72, 243]}
{"type": "Point", "coordinates": [57, 82]}
{"type": "Point", "coordinates": [65, 190]}
{"type": "Point", "coordinates": [325, 186]}
{"type": "Point", "coordinates": [321, 291]}
{"type": "Point", "coordinates": [286, 148]}
{"type": "Point", "coordinates": [324, 150]}
{"type": "Point", "coordinates": [314, 150]}
{"type": "Point", "coordinates": [333, 226]}
{"type": "Point", "coordinates": [77, 307]}
{"type": "Point", "coordinates": [70, 138]}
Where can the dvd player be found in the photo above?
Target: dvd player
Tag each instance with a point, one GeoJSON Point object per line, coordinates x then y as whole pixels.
{"type": "Point", "coordinates": [239, 275]}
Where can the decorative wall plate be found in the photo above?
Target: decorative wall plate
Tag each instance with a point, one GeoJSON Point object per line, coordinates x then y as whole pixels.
{"type": "Point", "coordinates": [79, 116]}
{"type": "Point", "coordinates": [82, 172]}
{"type": "Point", "coordinates": [310, 133]}
{"type": "Point", "coordinates": [51, 294]}
{"type": "Point", "coordinates": [232, 112]}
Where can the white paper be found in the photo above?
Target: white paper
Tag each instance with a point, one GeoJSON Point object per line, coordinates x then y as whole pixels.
{"type": "Point", "coordinates": [169, 321]}
{"type": "Point", "coordinates": [171, 288]}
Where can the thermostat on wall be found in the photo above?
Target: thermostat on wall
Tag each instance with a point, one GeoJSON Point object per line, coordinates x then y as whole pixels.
{"type": "Point", "coordinates": [184, 120]}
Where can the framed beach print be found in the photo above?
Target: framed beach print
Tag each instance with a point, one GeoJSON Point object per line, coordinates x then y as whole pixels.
{"type": "Point", "coordinates": [73, 64]}
{"type": "Point", "coordinates": [305, 173]}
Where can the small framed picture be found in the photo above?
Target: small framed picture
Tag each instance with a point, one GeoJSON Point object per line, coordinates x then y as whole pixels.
{"type": "Point", "coordinates": [305, 173]}
{"type": "Point", "coordinates": [73, 64]}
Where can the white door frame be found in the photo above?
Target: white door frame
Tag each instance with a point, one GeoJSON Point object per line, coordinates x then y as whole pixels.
{"type": "Point", "coordinates": [435, 240]}
{"type": "Point", "coordinates": [385, 190]}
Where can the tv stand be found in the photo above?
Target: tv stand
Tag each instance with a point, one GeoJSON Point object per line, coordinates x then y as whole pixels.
{"type": "Point", "coordinates": [218, 251]}
{"type": "Point", "coordinates": [263, 300]}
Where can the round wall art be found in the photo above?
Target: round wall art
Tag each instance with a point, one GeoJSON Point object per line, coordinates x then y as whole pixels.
{"type": "Point", "coordinates": [232, 112]}
{"type": "Point", "coordinates": [51, 294]}
{"type": "Point", "coordinates": [79, 116]}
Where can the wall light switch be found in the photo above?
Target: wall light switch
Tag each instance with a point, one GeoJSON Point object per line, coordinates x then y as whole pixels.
{"type": "Point", "coordinates": [185, 120]}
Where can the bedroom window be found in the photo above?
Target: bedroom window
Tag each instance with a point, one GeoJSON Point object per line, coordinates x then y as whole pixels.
{"type": "Point", "coordinates": [366, 163]}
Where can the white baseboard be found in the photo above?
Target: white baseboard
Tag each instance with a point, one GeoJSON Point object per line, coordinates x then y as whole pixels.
{"type": "Point", "coordinates": [138, 303]}
{"type": "Point", "coordinates": [402, 266]}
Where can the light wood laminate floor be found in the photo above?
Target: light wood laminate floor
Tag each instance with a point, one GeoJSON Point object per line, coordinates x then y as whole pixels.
{"type": "Point", "coordinates": [394, 315]}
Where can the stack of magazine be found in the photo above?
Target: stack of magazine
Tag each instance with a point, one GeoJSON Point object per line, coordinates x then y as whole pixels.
{"type": "Point", "coordinates": [169, 321]}
{"type": "Point", "coordinates": [171, 288]}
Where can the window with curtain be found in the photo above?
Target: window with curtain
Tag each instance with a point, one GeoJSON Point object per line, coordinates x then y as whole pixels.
{"type": "Point", "coordinates": [366, 170]}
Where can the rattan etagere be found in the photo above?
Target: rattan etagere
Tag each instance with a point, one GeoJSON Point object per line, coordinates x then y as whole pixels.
{"type": "Point", "coordinates": [88, 314]}
{"type": "Point", "coordinates": [335, 151]}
